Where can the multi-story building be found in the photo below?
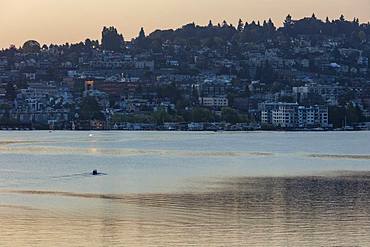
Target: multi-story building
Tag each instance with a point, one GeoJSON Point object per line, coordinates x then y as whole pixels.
{"type": "Point", "coordinates": [291, 115]}
{"type": "Point", "coordinates": [212, 90]}
{"type": "Point", "coordinates": [42, 103]}
{"type": "Point", "coordinates": [313, 116]}
{"type": "Point", "coordinates": [279, 114]}
{"type": "Point", "coordinates": [214, 101]}
{"type": "Point", "coordinates": [329, 93]}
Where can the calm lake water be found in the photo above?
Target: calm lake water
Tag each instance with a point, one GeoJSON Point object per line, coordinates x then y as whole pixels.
{"type": "Point", "coordinates": [185, 189]}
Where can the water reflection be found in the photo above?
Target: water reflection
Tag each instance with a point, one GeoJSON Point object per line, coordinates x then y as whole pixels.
{"type": "Point", "coordinates": [31, 147]}
{"type": "Point", "coordinates": [122, 152]}
{"type": "Point", "coordinates": [332, 210]}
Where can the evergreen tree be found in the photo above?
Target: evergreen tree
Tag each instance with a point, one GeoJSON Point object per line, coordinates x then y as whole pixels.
{"type": "Point", "coordinates": [88, 44]}
{"type": "Point", "coordinates": [288, 21]}
{"type": "Point", "coordinates": [264, 25]}
{"type": "Point", "coordinates": [90, 109]}
{"type": "Point", "coordinates": [11, 93]}
{"type": "Point", "coordinates": [141, 39]}
{"type": "Point", "coordinates": [240, 25]}
{"type": "Point", "coordinates": [142, 34]}
{"type": "Point", "coordinates": [246, 24]}
{"type": "Point", "coordinates": [271, 25]}
{"type": "Point", "coordinates": [112, 40]}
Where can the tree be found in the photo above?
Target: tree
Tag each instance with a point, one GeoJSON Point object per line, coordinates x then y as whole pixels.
{"type": "Point", "coordinates": [112, 40]}
{"type": "Point", "coordinates": [361, 35]}
{"type": "Point", "coordinates": [171, 92]}
{"type": "Point", "coordinates": [132, 118]}
{"type": "Point", "coordinates": [210, 24]}
{"type": "Point", "coordinates": [141, 41]}
{"type": "Point", "coordinates": [194, 95]}
{"type": "Point", "coordinates": [230, 115]}
{"type": "Point", "coordinates": [88, 44]}
{"type": "Point", "coordinates": [337, 116]}
{"type": "Point", "coordinates": [161, 116]}
{"type": "Point", "coordinates": [11, 93]}
{"type": "Point", "coordinates": [90, 109]}
{"type": "Point", "coordinates": [313, 99]}
{"type": "Point", "coordinates": [353, 114]}
{"type": "Point", "coordinates": [240, 26]}
{"type": "Point", "coordinates": [142, 34]}
{"type": "Point", "coordinates": [31, 46]}
{"type": "Point", "coordinates": [200, 115]}
{"type": "Point", "coordinates": [271, 25]}
{"type": "Point", "coordinates": [288, 21]}
{"type": "Point", "coordinates": [265, 73]}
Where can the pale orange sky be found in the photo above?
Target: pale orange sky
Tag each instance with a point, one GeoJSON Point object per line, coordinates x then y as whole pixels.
{"type": "Point", "coordinates": [60, 21]}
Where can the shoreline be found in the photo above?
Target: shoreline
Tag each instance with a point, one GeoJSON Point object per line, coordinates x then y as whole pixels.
{"type": "Point", "coordinates": [156, 130]}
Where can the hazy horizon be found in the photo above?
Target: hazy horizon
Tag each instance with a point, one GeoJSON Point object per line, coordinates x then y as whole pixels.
{"type": "Point", "coordinates": [53, 21]}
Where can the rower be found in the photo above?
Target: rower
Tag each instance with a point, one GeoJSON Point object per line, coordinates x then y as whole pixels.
{"type": "Point", "coordinates": [95, 172]}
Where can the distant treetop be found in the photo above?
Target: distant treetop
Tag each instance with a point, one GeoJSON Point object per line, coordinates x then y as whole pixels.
{"type": "Point", "coordinates": [31, 46]}
{"type": "Point", "coordinates": [142, 33]}
{"type": "Point", "coordinates": [112, 40]}
{"type": "Point", "coordinates": [212, 35]}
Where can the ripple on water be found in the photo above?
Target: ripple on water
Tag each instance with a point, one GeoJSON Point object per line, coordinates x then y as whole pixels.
{"type": "Point", "coordinates": [123, 152]}
{"type": "Point", "coordinates": [323, 210]}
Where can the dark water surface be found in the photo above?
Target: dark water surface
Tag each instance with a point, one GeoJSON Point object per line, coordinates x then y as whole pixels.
{"type": "Point", "coordinates": [184, 189]}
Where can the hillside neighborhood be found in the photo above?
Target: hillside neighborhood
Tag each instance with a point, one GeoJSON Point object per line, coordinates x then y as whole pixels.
{"type": "Point", "coordinates": [307, 74]}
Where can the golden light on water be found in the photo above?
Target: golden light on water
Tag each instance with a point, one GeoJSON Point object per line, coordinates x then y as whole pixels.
{"type": "Point", "coordinates": [175, 189]}
{"type": "Point", "coordinates": [238, 212]}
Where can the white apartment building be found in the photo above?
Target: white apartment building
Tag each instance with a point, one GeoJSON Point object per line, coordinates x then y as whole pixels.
{"type": "Point", "coordinates": [279, 114]}
{"type": "Point", "coordinates": [313, 116]}
{"type": "Point", "coordinates": [291, 115]}
{"type": "Point", "coordinates": [284, 116]}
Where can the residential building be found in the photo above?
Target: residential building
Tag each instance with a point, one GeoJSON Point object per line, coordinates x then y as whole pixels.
{"type": "Point", "coordinates": [214, 101]}
{"type": "Point", "coordinates": [292, 115]}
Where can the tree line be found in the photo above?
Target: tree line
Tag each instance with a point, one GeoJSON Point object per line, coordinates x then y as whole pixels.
{"type": "Point", "coordinates": [217, 35]}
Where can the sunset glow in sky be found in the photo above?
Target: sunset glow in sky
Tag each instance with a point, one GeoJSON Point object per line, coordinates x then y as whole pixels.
{"type": "Point", "coordinates": [60, 21]}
